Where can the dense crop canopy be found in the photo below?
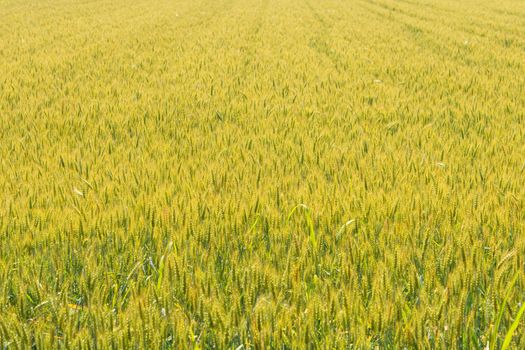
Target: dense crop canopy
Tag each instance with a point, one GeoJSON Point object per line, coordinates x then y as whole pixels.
{"type": "Point", "coordinates": [284, 174]}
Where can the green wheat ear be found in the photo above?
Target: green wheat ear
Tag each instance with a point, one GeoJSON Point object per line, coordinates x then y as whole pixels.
{"type": "Point", "coordinates": [161, 272]}
{"type": "Point", "coordinates": [309, 220]}
{"type": "Point", "coordinates": [342, 229]}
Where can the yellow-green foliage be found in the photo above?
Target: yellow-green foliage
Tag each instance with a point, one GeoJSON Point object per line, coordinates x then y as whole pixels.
{"type": "Point", "coordinates": [282, 174]}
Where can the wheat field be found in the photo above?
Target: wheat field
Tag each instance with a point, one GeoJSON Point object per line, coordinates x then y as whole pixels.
{"type": "Point", "coordinates": [262, 174]}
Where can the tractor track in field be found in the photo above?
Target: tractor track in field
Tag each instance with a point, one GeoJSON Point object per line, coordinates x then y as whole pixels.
{"type": "Point", "coordinates": [320, 43]}
{"type": "Point", "coordinates": [423, 38]}
{"type": "Point", "coordinates": [472, 30]}
{"type": "Point", "coordinates": [80, 36]}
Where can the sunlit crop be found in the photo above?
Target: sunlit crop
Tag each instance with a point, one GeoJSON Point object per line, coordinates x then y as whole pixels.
{"type": "Point", "coordinates": [262, 174]}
